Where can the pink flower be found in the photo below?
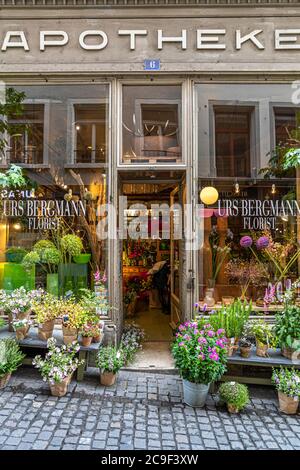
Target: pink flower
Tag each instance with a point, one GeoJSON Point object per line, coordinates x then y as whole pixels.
{"type": "Point", "coordinates": [202, 340]}
{"type": "Point", "coordinates": [181, 344]}
{"type": "Point", "coordinates": [201, 357]}
{"type": "Point", "coordinates": [220, 331]}
{"type": "Point", "coordinates": [246, 241]}
{"type": "Point", "coordinates": [211, 333]}
{"type": "Point", "coordinates": [220, 343]}
{"type": "Point", "coordinates": [262, 242]}
{"type": "Point", "coordinates": [214, 356]}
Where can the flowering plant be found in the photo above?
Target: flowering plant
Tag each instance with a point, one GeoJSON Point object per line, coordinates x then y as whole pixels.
{"type": "Point", "coordinates": [131, 341]}
{"type": "Point", "coordinates": [100, 278]}
{"type": "Point", "coordinates": [19, 300]}
{"type": "Point", "coordinates": [232, 318]}
{"type": "Point", "coordinates": [46, 308]}
{"type": "Point", "coordinates": [21, 323]}
{"type": "Point", "coordinates": [73, 314]}
{"type": "Point", "coordinates": [234, 394]}
{"type": "Point", "coordinates": [59, 362]}
{"type": "Point", "coordinates": [287, 381]}
{"type": "Point", "coordinates": [110, 359]}
{"type": "Point", "coordinates": [263, 332]}
{"type": "Point", "coordinates": [200, 352]}
{"type": "Point", "coordinates": [71, 245]}
{"type": "Point", "coordinates": [89, 330]}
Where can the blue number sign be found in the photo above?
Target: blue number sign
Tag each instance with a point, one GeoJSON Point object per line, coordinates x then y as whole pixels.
{"type": "Point", "coordinates": [152, 65]}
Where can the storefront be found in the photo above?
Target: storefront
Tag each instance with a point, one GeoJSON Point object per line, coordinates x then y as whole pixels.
{"type": "Point", "coordinates": [130, 110]}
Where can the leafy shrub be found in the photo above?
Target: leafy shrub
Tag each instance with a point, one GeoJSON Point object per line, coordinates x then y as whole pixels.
{"type": "Point", "coordinates": [11, 356]}
{"type": "Point", "coordinates": [263, 332]}
{"type": "Point", "coordinates": [287, 326]}
{"type": "Point", "coordinates": [42, 245]}
{"type": "Point", "coordinates": [110, 359]}
{"type": "Point", "coordinates": [71, 245]}
{"type": "Point", "coordinates": [231, 318]}
{"type": "Point", "coordinates": [234, 394]}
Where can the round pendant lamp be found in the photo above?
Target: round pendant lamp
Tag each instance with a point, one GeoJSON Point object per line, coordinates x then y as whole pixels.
{"type": "Point", "coordinates": [209, 195]}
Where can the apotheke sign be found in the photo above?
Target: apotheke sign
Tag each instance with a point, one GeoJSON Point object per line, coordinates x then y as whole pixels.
{"type": "Point", "coordinates": [203, 39]}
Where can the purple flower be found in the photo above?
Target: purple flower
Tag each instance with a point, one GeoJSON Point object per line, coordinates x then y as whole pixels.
{"type": "Point", "coordinates": [214, 356]}
{"type": "Point", "coordinates": [204, 308]}
{"type": "Point", "coordinates": [246, 241]}
{"type": "Point", "coordinates": [181, 344]}
{"type": "Point", "coordinates": [210, 333]}
{"type": "Point", "coordinates": [220, 331]}
{"type": "Point", "coordinates": [262, 242]}
{"type": "Point", "coordinates": [220, 343]}
{"type": "Point", "coordinates": [202, 340]}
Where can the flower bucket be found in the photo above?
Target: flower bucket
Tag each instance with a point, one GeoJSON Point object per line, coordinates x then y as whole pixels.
{"type": "Point", "coordinates": [52, 284]}
{"type": "Point", "coordinates": [69, 334]}
{"type": "Point", "coordinates": [83, 258]}
{"type": "Point", "coordinates": [86, 341]}
{"type": "Point", "coordinates": [60, 389]}
{"type": "Point", "coordinates": [22, 333]}
{"type": "Point", "coordinates": [245, 351]}
{"type": "Point", "coordinates": [232, 409]}
{"type": "Point", "coordinates": [107, 378]}
{"type": "Point", "coordinates": [194, 394]}
{"type": "Point", "coordinates": [45, 330]}
{"type": "Point", "coordinates": [4, 380]}
{"type": "Point", "coordinates": [261, 349]}
{"type": "Point", "coordinates": [288, 405]}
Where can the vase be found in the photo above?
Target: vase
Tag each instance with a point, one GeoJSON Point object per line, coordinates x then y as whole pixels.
{"type": "Point", "coordinates": [4, 380]}
{"type": "Point", "coordinates": [261, 349]}
{"type": "Point", "coordinates": [288, 405]}
{"type": "Point", "coordinates": [107, 378]}
{"type": "Point", "coordinates": [194, 394]}
{"type": "Point", "coordinates": [60, 389]}
{"type": "Point", "coordinates": [52, 284]}
{"type": "Point", "coordinates": [209, 297]}
{"type": "Point", "coordinates": [86, 341]}
{"type": "Point", "coordinates": [69, 334]}
{"type": "Point", "coordinates": [45, 330]}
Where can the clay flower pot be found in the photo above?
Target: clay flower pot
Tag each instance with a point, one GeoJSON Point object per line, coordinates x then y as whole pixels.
{"type": "Point", "coordinates": [22, 333]}
{"type": "Point", "coordinates": [245, 351]}
{"type": "Point", "coordinates": [261, 349]}
{"type": "Point", "coordinates": [60, 389]}
{"type": "Point", "coordinates": [45, 330]}
{"type": "Point", "coordinates": [107, 378]}
{"type": "Point", "coordinates": [4, 380]}
{"type": "Point", "coordinates": [232, 346]}
{"type": "Point", "coordinates": [232, 408]}
{"type": "Point", "coordinates": [288, 405]}
{"type": "Point", "coordinates": [86, 340]}
{"type": "Point", "coordinates": [69, 334]}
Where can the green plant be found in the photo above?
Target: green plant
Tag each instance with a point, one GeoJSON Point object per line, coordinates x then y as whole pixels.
{"type": "Point", "coordinates": [17, 251]}
{"type": "Point", "coordinates": [72, 313]}
{"type": "Point", "coordinates": [287, 381]}
{"type": "Point", "coordinates": [71, 245]}
{"type": "Point", "coordinates": [131, 341]}
{"type": "Point", "coordinates": [60, 362]}
{"type": "Point", "coordinates": [90, 330]}
{"type": "Point", "coordinates": [263, 332]}
{"type": "Point", "coordinates": [287, 327]}
{"type": "Point", "coordinates": [234, 394]}
{"type": "Point", "coordinates": [42, 245]}
{"type": "Point", "coordinates": [30, 260]}
{"type": "Point", "coordinates": [11, 108]}
{"type": "Point", "coordinates": [51, 257]}
{"type": "Point", "coordinates": [11, 357]}
{"type": "Point", "coordinates": [110, 359]}
{"type": "Point", "coordinates": [2, 322]}
{"type": "Point", "coordinates": [199, 352]}
{"type": "Point", "coordinates": [47, 308]}
{"type": "Point", "coordinates": [232, 318]}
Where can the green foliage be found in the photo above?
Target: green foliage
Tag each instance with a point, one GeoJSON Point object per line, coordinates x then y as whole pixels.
{"type": "Point", "coordinates": [42, 245]}
{"type": "Point", "coordinates": [275, 168]}
{"type": "Point", "coordinates": [263, 332]}
{"type": "Point", "coordinates": [287, 327]}
{"type": "Point", "coordinates": [30, 259]}
{"type": "Point", "coordinates": [71, 245]}
{"type": "Point", "coordinates": [13, 177]}
{"type": "Point", "coordinates": [17, 253]}
{"type": "Point", "coordinates": [110, 359]}
{"type": "Point", "coordinates": [234, 394]}
{"type": "Point", "coordinates": [232, 318]}
{"type": "Point", "coordinates": [12, 108]}
{"type": "Point", "coordinates": [287, 381]}
{"type": "Point", "coordinates": [2, 322]}
{"type": "Point", "coordinates": [291, 159]}
{"type": "Point", "coordinates": [52, 257]}
{"type": "Point", "coordinates": [46, 308]}
{"type": "Point", "coordinates": [11, 356]}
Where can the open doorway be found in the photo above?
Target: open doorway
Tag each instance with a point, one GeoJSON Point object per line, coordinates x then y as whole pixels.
{"type": "Point", "coordinates": [151, 264]}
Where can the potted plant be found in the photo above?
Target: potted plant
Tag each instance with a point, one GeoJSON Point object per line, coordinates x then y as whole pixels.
{"type": "Point", "coordinates": [17, 304]}
{"type": "Point", "coordinates": [287, 329]}
{"type": "Point", "coordinates": [98, 332]}
{"type": "Point", "coordinates": [287, 383]}
{"type": "Point", "coordinates": [235, 395]}
{"type": "Point", "coordinates": [73, 318]}
{"type": "Point", "coordinates": [131, 341]}
{"type": "Point", "coordinates": [71, 245]}
{"type": "Point", "coordinates": [264, 336]}
{"type": "Point", "coordinates": [46, 311]}
{"type": "Point", "coordinates": [245, 347]}
{"type": "Point", "coordinates": [200, 355]}
{"type": "Point", "coordinates": [52, 258]}
{"type": "Point", "coordinates": [88, 332]}
{"type": "Point", "coordinates": [15, 254]}
{"type": "Point", "coordinates": [21, 327]}
{"type": "Point", "coordinates": [232, 318]}
{"type": "Point", "coordinates": [58, 366]}
{"type": "Point", "coordinates": [109, 360]}
{"type": "Point", "coordinates": [11, 357]}
{"type": "Point", "coordinates": [83, 258]}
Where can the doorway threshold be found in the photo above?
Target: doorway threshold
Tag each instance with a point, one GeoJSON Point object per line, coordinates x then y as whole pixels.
{"type": "Point", "coordinates": [155, 356]}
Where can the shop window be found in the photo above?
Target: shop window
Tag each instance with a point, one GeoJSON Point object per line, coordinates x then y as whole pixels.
{"type": "Point", "coordinates": [285, 122]}
{"type": "Point", "coordinates": [232, 142]}
{"type": "Point", "coordinates": [89, 133]}
{"type": "Point", "coordinates": [151, 125]}
{"type": "Point", "coordinates": [26, 144]}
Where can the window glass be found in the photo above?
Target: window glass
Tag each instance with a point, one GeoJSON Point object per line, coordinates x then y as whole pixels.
{"type": "Point", "coordinates": [90, 133]}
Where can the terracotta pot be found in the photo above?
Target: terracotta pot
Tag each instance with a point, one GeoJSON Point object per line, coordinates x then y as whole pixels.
{"type": "Point", "coordinates": [86, 341]}
{"type": "Point", "coordinates": [97, 339]}
{"type": "Point", "coordinates": [232, 408]}
{"type": "Point", "coordinates": [60, 389]}
{"type": "Point", "coordinates": [288, 405]}
{"type": "Point", "coordinates": [245, 351]}
{"type": "Point", "coordinates": [261, 349]}
{"type": "Point", "coordinates": [22, 333]}
{"type": "Point", "coordinates": [4, 380]}
{"type": "Point", "coordinates": [45, 330]}
{"type": "Point", "coordinates": [69, 334]}
{"type": "Point", "coordinates": [107, 378]}
{"type": "Point", "coordinates": [287, 352]}
{"type": "Point", "coordinates": [24, 315]}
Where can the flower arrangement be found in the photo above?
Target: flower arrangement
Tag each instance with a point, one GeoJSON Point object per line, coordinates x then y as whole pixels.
{"type": "Point", "coordinates": [110, 359]}
{"type": "Point", "coordinates": [42, 245]}
{"type": "Point", "coordinates": [245, 273]}
{"type": "Point", "coordinates": [235, 395]}
{"type": "Point", "coordinates": [200, 352]}
{"type": "Point", "coordinates": [59, 363]}
{"type": "Point", "coordinates": [71, 245]}
{"type": "Point", "coordinates": [72, 313]}
{"type": "Point", "coordinates": [287, 381]}
{"type": "Point", "coordinates": [52, 258]}
{"type": "Point", "coordinates": [131, 341]}
{"type": "Point", "coordinates": [46, 308]}
{"type": "Point", "coordinates": [19, 301]}
{"type": "Point", "coordinates": [11, 357]}
{"type": "Point", "coordinates": [30, 260]}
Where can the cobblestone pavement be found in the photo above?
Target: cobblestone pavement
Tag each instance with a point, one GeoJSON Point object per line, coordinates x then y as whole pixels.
{"type": "Point", "coordinates": [143, 411]}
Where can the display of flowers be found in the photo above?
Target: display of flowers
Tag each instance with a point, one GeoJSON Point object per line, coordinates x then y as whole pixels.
{"type": "Point", "coordinates": [60, 362]}
{"type": "Point", "coordinates": [200, 352]}
{"type": "Point", "coordinates": [287, 381]}
{"type": "Point", "coordinates": [46, 308]}
{"type": "Point", "coordinates": [245, 273]}
{"type": "Point", "coordinates": [131, 341]}
{"type": "Point", "coordinates": [100, 279]}
{"type": "Point", "coordinates": [72, 313]}
{"type": "Point", "coordinates": [19, 300]}
{"type": "Point", "coordinates": [110, 359]}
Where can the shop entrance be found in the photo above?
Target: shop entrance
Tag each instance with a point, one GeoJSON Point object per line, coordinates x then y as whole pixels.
{"type": "Point", "coordinates": [152, 261]}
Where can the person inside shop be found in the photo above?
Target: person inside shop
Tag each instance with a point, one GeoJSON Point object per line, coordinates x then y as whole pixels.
{"type": "Point", "coordinates": [161, 281]}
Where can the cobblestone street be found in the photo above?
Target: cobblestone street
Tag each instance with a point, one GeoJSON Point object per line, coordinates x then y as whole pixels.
{"type": "Point", "coordinates": [143, 411]}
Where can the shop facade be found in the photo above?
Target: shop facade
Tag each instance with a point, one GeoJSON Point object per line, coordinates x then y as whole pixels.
{"type": "Point", "coordinates": [143, 103]}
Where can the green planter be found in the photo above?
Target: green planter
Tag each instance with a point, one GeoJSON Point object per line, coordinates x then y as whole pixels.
{"type": "Point", "coordinates": [52, 284]}
{"type": "Point", "coordinates": [83, 258]}
{"type": "Point", "coordinates": [15, 257]}
{"type": "Point", "coordinates": [72, 276]}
